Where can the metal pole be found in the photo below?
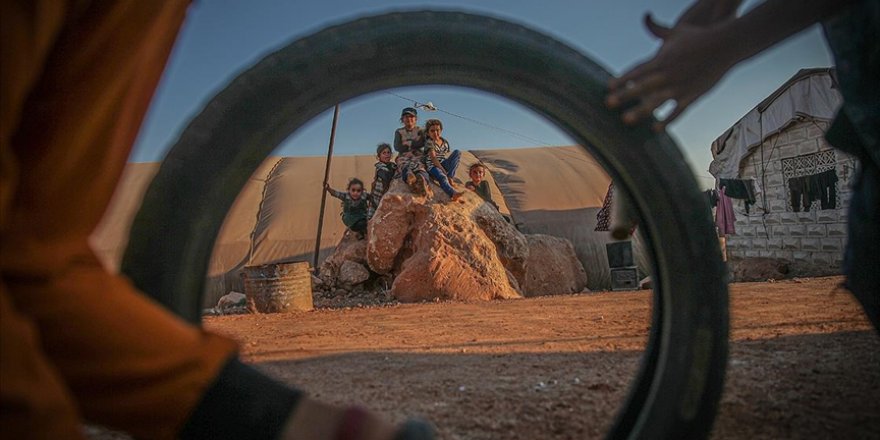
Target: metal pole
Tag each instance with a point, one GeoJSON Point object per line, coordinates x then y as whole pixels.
{"type": "Point", "coordinates": [323, 192]}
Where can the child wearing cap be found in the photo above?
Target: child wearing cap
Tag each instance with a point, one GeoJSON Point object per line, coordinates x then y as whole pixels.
{"type": "Point", "coordinates": [385, 170]}
{"type": "Point", "coordinates": [354, 205]}
{"type": "Point", "coordinates": [439, 161]}
{"type": "Point", "coordinates": [409, 137]}
{"type": "Point", "coordinates": [408, 142]}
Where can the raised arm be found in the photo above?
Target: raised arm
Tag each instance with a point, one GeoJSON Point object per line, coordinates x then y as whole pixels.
{"type": "Point", "coordinates": [338, 194]}
{"type": "Point", "coordinates": [694, 57]}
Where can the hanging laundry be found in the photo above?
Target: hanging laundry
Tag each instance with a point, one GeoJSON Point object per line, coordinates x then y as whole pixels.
{"type": "Point", "coordinates": [725, 219]}
{"type": "Point", "coordinates": [805, 190]}
{"type": "Point", "coordinates": [740, 189]}
{"type": "Point", "coordinates": [712, 197]}
{"type": "Point", "coordinates": [603, 217]}
{"type": "Point", "coordinates": [797, 187]}
{"type": "Point", "coordinates": [826, 184]}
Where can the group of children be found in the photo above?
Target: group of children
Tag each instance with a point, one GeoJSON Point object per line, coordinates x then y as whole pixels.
{"type": "Point", "coordinates": [423, 155]}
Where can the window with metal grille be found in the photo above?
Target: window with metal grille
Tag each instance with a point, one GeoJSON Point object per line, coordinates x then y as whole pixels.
{"type": "Point", "coordinates": [821, 166]}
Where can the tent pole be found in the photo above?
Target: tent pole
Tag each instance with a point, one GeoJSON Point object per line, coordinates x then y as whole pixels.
{"type": "Point", "coordinates": [323, 192]}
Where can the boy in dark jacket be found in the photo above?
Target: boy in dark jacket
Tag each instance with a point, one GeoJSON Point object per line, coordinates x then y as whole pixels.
{"type": "Point", "coordinates": [385, 170]}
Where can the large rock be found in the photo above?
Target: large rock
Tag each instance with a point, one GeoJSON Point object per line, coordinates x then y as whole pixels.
{"type": "Point", "coordinates": [350, 248]}
{"type": "Point", "coordinates": [552, 267]}
{"type": "Point", "coordinates": [510, 244]}
{"type": "Point", "coordinates": [436, 248]}
{"type": "Point", "coordinates": [429, 247]}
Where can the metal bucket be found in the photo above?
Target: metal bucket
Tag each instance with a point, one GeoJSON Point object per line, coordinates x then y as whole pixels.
{"type": "Point", "coordinates": [279, 287]}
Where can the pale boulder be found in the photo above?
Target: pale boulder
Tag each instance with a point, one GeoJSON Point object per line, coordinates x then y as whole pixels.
{"type": "Point", "coordinates": [552, 267]}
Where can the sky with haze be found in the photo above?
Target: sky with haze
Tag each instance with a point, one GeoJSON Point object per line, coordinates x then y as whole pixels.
{"type": "Point", "coordinates": [220, 38]}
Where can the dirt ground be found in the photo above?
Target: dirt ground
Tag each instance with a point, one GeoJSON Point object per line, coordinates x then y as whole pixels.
{"type": "Point", "coordinates": [804, 362]}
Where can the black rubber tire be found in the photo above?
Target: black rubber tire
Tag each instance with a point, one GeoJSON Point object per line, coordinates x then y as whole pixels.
{"type": "Point", "coordinates": [680, 380]}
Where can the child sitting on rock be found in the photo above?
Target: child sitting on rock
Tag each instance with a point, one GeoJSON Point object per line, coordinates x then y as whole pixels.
{"type": "Point", "coordinates": [355, 204]}
{"type": "Point", "coordinates": [385, 170]}
{"type": "Point", "coordinates": [477, 172]}
{"type": "Point", "coordinates": [438, 165]}
{"type": "Point", "coordinates": [408, 142]}
{"type": "Point", "coordinates": [409, 137]}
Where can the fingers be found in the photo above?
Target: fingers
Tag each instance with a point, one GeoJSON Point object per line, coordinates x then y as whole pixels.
{"type": "Point", "coordinates": [680, 107]}
{"type": "Point", "coordinates": [632, 75]}
{"type": "Point", "coordinates": [645, 108]}
{"type": "Point", "coordinates": [659, 31]}
{"type": "Point", "coordinates": [643, 86]}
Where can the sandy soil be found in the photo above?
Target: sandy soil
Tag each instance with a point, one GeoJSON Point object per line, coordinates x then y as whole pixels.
{"type": "Point", "coordinates": [803, 362]}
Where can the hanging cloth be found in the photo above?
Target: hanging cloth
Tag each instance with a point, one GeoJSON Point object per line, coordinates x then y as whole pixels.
{"type": "Point", "coordinates": [740, 189]}
{"type": "Point", "coordinates": [603, 217]}
{"type": "Point", "coordinates": [725, 219]}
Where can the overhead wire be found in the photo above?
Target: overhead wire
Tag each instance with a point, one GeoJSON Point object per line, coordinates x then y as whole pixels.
{"type": "Point", "coordinates": [573, 155]}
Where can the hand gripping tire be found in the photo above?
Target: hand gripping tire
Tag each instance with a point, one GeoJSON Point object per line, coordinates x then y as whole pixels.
{"type": "Point", "coordinates": [680, 379]}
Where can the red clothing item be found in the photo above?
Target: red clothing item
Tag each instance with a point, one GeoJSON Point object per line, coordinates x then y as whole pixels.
{"type": "Point", "coordinates": [725, 219]}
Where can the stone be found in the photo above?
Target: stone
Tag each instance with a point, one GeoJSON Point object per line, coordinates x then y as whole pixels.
{"type": "Point", "coordinates": [350, 248]}
{"type": "Point", "coordinates": [810, 244]}
{"type": "Point", "coordinates": [797, 230]}
{"type": "Point", "coordinates": [759, 243]}
{"type": "Point", "coordinates": [352, 274]}
{"type": "Point", "coordinates": [232, 299]}
{"type": "Point", "coordinates": [789, 217]}
{"type": "Point", "coordinates": [758, 269]}
{"type": "Point", "coordinates": [777, 206]}
{"type": "Point", "coordinates": [513, 247]}
{"type": "Point", "coordinates": [779, 231]}
{"type": "Point", "coordinates": [437, 249]}
{"type": "Point", "coordinates": [816, 230]}
{"type": "Point", "coordinates": [552, 267]}
{"type": "Point", "coordinates": [428, 248]}
{"type": "Point", "coordinates": [646, 284]}
{"type": "Point", "coordinates": [807, 217]}
{"type": "Point", "coordinates": [826, 215]}
{"type": "Point", "coordinates": [831, 244]}
{"type": "Point", "coordinates": [808, 146]}
{"type": "Point", "coordinates": [836, 230]}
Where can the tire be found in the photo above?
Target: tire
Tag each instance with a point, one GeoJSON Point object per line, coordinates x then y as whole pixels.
{"type": "Point", "coordinates": [680, 379]}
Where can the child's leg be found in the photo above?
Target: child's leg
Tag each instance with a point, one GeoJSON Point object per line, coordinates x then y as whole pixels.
{"type": "Point", "coordinates": [406, 173]}
{"type": "Point", "coordinates": [450, 164]}
{"type": "Point", "coordinates": [360, 226]}
{"type": "Point", "coordinates": [442, 180]}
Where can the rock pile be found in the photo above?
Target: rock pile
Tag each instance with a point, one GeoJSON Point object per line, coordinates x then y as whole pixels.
{"type": "Point", "coordinates": [422, 249]}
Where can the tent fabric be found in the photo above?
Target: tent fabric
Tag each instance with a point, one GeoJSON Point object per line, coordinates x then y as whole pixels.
{"type": "Point", "coordinates": [111, 236]}
{"type": "Point", "coordinates": [809, 94]}
{"type": "Point", "coordinates": [552, 190]}
{"type": "Point", "coordinates": [558, 191]}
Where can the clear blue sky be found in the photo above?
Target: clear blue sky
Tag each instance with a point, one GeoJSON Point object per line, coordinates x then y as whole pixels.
{"type": "Point", "coordinates": [222, 37]}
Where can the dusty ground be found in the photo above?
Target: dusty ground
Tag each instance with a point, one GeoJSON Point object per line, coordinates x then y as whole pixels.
{"type": "Point", "coordinates": [804, 362]}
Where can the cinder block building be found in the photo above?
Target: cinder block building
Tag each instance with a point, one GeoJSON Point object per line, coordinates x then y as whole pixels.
{"type": "Point", "coordinates": [801, 184]}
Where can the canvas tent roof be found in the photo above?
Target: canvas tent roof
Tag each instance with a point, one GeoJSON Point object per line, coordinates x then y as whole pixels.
{"type": "Point", "coordinates": [553, 190]}
{"type": "Point", "coordinates": [810, 94]}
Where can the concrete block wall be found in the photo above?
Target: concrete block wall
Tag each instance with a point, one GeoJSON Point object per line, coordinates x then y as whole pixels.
{"type": "Point", "coordinates": [806, 239]}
